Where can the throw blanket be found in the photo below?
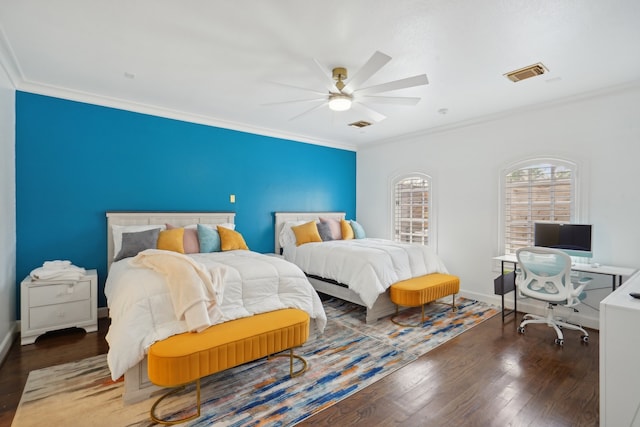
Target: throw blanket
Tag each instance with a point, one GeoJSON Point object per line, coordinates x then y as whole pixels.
{"type": "Point", "coordinates": [194, 290]}
{"type": "Point", "coordinates": [368, 266]}
{"type": "Point", "coordinates": [142, 311]}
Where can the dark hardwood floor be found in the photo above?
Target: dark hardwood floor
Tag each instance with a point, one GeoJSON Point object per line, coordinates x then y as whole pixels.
{"type": "Point", "coordinates": [488, 376]}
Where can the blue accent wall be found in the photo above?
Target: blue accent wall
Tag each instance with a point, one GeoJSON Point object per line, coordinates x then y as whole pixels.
{"type": "Point", "coordinates": [76, 161]}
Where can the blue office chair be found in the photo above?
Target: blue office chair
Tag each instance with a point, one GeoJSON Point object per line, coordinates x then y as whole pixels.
{"type": "Point", "coordinates": [545, 274]}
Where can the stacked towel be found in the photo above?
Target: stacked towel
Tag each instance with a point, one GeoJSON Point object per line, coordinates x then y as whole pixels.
{"type": "Point", "coordinates": [58, 270]}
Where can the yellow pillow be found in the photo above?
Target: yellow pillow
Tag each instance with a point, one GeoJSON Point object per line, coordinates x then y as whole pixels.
{"type": "Point", "coordinates": [306, 233]}
{"type": "Point", "coordinates": [231, 239]}
{"type": "Point", "coordinates": [171, 240]}
{"type": "Point", "coordinates": [347, 231]}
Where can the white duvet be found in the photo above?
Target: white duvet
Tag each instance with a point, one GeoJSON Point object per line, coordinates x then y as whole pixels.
{"type": "Point", "coordinates": [368, 266]}
{"type": "Point", "coordinates": [141, 309]}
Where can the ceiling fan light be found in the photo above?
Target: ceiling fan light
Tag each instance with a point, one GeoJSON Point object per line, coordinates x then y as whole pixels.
{"type": "Point", "coordinates": [339, 102]}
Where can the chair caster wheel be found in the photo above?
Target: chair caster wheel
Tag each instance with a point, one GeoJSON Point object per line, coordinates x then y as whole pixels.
{"type": "Point", "coordinates": [585, 338]}
{"type": "Point", "coordinates": [559, 342]}
{"type": "Point", "coordinates": [521, 329]}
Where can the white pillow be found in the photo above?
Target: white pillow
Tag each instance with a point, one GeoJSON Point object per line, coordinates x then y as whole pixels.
{"type": "Point", "coordinates": [117, 230]}
{"type": "Point", "coordinates": [287, 237]}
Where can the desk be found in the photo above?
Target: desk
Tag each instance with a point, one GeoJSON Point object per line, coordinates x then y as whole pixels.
{"type": "Point", "coordinates": [616, 274]}
{"type": "Point", "coordinates": [619, 355]}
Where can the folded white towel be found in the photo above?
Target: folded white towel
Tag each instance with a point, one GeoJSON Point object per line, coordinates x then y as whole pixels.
{"type": "Point", "coordinates": [56, 265]}
{"type": "Point", "coordinates": [42, 273]}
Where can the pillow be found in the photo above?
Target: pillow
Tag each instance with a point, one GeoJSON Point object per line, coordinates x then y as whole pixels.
{"type": "Point", "coordinates": [325, 231]}
{"type": "Point", "coordinates": [209, 238]}
{"type": "Point", "coordinates": [118, 230]}
{"type": "Point", "coordinates": [287, 237]}
{"type": "Point", "coordinates": [358, 231]}
{"type": "Point", "coordinates": [135, 242]}
{"type": "Point", "coordinates": [171, 240]}
{"type": "Point", "coordinates": [347, 231]}
{"type": "Point", "coordinates": [190, 241]}
{"type": "Point", "coordinates": [306, 233]}
{"type": "Point", "coordinates": [334, 225]}
{"type": "Point", "coordinates": [230, 239]}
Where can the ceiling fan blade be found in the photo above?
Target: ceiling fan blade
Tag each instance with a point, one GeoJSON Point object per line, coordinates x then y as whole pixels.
{"type": "Point", "coordinates": [322, 74]}
{"type": "Point", "coordinates": [395, 85]}
{"type": "Point", "coordinates": [306, 89]}
{"type": "Point", "coordinates": [375, 116]}
{"type": "Point", "coordinates": [372, 66]}
{"type": "Point", "coordinates": [398, 100]}
{"type": "Point", "coordinates": [304, 113]}
{"type": "Point", "coordinates": [294, 101]}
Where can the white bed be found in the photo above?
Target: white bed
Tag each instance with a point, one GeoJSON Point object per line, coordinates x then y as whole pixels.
{"type": "Point", "coordinates": [140, 303]}
{"type": "Point", "coordinates": [359, 270]}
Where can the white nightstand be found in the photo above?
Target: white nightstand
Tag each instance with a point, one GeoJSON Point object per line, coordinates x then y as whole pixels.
{"type": "Point", "coordinates": [51, 305]}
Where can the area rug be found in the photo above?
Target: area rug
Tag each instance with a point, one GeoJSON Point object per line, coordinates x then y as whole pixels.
{"type": "Point", "coordinates": [348, 357]}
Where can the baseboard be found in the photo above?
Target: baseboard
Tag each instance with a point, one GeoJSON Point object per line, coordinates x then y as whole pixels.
{"type": "Point", "coordinates": [526, 305]}
{"type": "Point", "coordinates": [7, 340]}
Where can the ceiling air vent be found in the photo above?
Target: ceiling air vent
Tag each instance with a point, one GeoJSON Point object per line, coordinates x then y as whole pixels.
{"type": "Point", "coordinates": [526, 72]}
{"type": "Point", "coordinates": [360, 124]}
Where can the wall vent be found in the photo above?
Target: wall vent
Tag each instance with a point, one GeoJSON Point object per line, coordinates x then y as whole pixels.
{"type": "Point", "coordinates": [526, 72]}
{"type": "Point", "coordinates": [360, 124]}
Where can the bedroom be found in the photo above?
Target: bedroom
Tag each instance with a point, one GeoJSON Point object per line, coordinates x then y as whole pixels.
{"type": "Point", "coordinates": [598, 129]}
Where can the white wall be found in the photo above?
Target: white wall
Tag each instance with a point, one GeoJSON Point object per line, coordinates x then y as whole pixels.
{"type": "Point", "coordinates": [7, 214]}
{"type": "Point", "coordinates": [601, 133]}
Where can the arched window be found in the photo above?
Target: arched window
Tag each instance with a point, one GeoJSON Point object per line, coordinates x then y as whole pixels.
{"type": "Point", "coordinates": [540, 190]}
{"type": "Point", "coordinates": [412, 208]}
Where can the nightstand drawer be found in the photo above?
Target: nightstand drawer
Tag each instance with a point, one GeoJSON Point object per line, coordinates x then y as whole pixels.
{"type": "Point", "coordinates": [50, 316]}
{"type": "Point", "coordinates": [59, 293]}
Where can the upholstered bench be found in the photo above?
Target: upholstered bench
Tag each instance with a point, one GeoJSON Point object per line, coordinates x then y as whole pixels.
{"type": "Point", "coordinates": [185, 358]}
{"type": "Point", "coordinates": [422, 290]}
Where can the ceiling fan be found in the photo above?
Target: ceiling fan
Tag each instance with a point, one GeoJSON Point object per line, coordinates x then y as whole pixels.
{"type": "Point", "coordinates": [344, 92]}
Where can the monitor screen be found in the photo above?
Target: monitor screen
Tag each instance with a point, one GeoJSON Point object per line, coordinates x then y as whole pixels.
{"type": "Point", "coordinates": [575, 239]}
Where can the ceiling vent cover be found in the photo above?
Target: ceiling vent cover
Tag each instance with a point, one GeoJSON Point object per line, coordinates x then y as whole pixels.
{"type": "Point", "coordinates": [526, 72]}
{"type": "Point", "coordinates": [360, 124]}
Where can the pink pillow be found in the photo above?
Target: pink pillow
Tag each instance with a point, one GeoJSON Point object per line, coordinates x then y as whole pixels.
{"type": "Point", "coordinates": [190, 240]}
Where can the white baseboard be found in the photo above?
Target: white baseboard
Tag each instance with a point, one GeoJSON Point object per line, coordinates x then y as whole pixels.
{"type": "Point", "coordinates": [7, 340]}
{"type": "Point", "coordinates": [527, 305]}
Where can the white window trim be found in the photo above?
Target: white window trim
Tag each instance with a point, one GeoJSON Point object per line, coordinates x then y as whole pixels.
{"type": "Point", "coordinates": [580, 214]}
{"type": "Point", "coordinates": [433, 235]}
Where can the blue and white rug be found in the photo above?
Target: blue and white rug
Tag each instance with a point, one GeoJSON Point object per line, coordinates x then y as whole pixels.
{"type": "Point", "coordinates": [348, 357]}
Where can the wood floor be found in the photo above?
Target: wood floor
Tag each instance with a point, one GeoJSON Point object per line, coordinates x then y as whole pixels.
{"type": "Point", "coordinates": [488, 376]}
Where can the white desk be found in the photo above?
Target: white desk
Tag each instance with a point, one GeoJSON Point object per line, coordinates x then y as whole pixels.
{"type": "Point", "coordinates": [616, 273]}
{"type": "Point", "coordinates": [619, 355]}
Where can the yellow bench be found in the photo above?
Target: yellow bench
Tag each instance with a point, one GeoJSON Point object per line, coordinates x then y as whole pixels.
{"type": "Point", "coordinates": [185, 358]}
{"type": "Point", "coordinates": [422, 290]}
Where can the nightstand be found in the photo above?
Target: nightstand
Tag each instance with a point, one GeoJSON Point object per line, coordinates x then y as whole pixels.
{"type": "Point", "coordinates": [52, 305]}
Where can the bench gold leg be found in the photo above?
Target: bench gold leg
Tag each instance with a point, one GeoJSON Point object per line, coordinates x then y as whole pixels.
{"type": "Point", "coordinates": [173, 391]}
{"type": "Point", "coordinates": [292, 356]}
{"type": "Point", "coordinates": [407, 325]}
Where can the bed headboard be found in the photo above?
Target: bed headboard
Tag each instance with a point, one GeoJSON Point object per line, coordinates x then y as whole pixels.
{"type": "Point", "coordinates": [178, 219]}
{"type": "Point", "coordinates": [282, 217]}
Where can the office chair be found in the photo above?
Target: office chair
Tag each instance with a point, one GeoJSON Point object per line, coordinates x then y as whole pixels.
{"type": "Point", "coordinates": [545, 275]}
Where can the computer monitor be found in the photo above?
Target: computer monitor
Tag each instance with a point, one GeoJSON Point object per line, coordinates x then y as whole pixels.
{"type": "Point", "coordinates": [574, 239]}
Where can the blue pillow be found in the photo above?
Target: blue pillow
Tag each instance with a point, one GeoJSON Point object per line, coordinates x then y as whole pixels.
{"type": "Point", "coordinates": [209, 239]}
{"type": "Point", "coordinates": [358, 231]}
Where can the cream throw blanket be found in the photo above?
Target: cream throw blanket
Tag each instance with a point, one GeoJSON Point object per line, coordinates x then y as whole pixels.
{"type": "Point", "coordinates": [195, 290]}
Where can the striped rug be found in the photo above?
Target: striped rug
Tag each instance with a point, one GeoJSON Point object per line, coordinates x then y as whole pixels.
{"type": "Point", "coordinates": [348, 357]}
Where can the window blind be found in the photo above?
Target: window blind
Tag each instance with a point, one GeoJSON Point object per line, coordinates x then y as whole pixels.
{"type": "Point", "coordinates": [536, 193]}
{"type": "Point", "coordinates": [412, 210]}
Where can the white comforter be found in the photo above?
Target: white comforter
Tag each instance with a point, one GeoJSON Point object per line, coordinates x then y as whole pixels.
{"type": "Point", "coordinates": [368, 266]}
{"type": "Point", "coordinates": [142, 312]}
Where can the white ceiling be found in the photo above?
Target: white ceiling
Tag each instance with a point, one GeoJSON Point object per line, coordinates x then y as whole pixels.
{"type": "Point", "coordinates": [217, 62]}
